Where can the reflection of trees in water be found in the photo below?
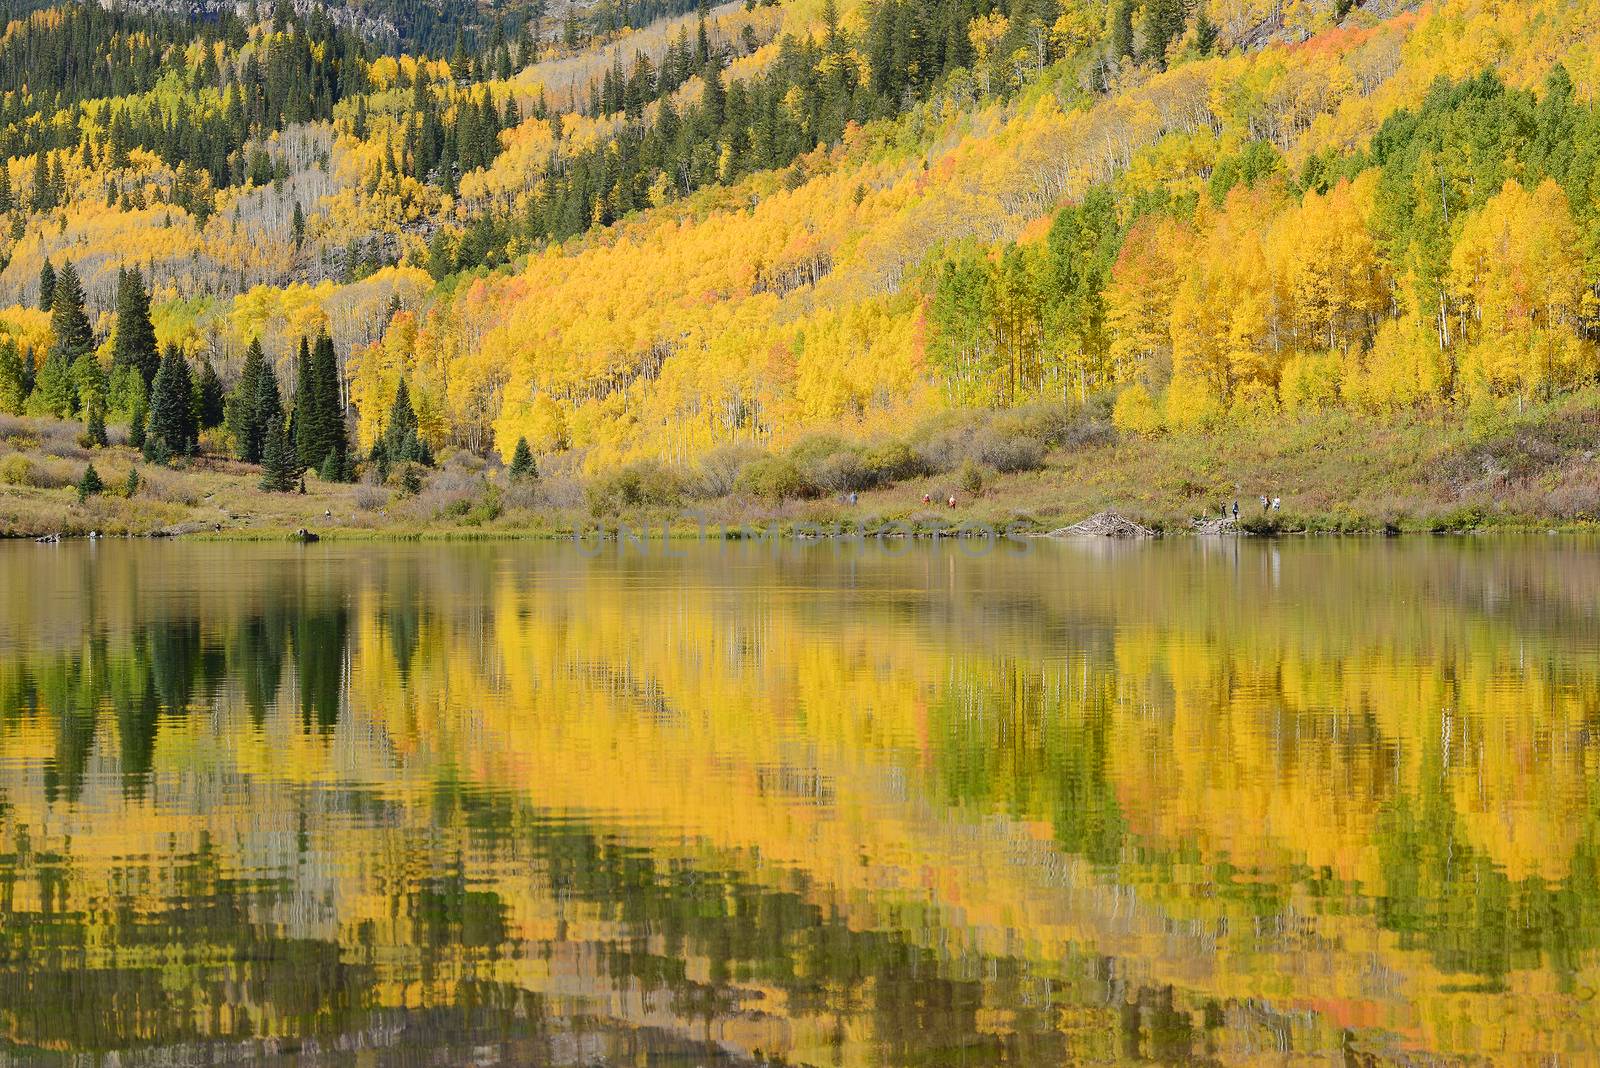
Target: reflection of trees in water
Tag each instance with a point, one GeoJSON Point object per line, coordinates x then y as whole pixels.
{"type": "Point", "coordinates": [1042, 699]}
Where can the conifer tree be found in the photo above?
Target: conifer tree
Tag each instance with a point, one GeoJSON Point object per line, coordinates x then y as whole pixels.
{"type": "Point", "coordinates": [244, 418]}
{"type": "Point", "coordinates": [94, 431]}
{"type": "Point", "coordinates": [172, 422]}
{"type": "Point", "coordinates": [69, 326]}
{"type": "Point", "coordinates": [134, 343]}
{"type": "Point", "coordinates": [522, 466]}
{"type": "Point", "coordinates": [277, 466]}
{"type": "Point", "coordinates": [303, 421]}
{"type": "Point", "coordinates": [89, 484]}
{"type": "Point", "coordinates": [401, 442]}
{"type": "Point", "coordinates": [329, 438]}
{"type": "Point", "coordinates": [138, 422]}
{"type": "Point", "coordinates": [53, 394]}
{"type": "Point", "coordinates": [13, 385]}
{"type": "Point", "coordinates": [47, 286]}
{"type": "Point", "coordinates": [211, 404]}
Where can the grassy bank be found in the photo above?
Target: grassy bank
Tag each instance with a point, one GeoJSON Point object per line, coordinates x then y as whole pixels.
{"type": "Point", "coordinates": [1334, 473]}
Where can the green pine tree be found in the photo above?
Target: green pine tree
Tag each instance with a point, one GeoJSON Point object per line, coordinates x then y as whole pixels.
{"type": "Point", "coordinates": [172, 422]}
{"type": "Point", "coordinates": [277, 466]}
{"type": "Point", "coordinates": [243, 418]}
{"type": "Point", "coordinates": [138, 421]}
{"type": "Point", "coordinates": [95, 426]}
{"type": "Point", "coordinates": [13, 383]}
{"type": "Point", "coordinates": [134, 336]}
{"type": "Point", "coordinates": [53, 393]}
{"type": "Point", "coordinates": [522, 466]}
{"type": "Point", "coordinates": [89, 484]}
{"type": "Point", "coordinates": [304, 420]}
{"type": "Point", "coordinates": [47, 286]}
{"type": "Point", "coordinates": [69, 326]}
{"type": "Point", "coordinates": [329, 437]}
{"type": "Point", "coordinates": [212, 404]}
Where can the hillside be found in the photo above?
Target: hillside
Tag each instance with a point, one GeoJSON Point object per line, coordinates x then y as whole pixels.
{"type": "Point", "coordinates": [802, 249]}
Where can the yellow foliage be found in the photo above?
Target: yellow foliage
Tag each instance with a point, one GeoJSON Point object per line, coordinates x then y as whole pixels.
{"type": "Point", "coordinates": [1135, 412]}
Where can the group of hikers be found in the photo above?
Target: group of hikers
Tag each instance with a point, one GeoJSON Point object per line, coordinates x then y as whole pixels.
{"type": "Point", "coordinates": [1268, 504]}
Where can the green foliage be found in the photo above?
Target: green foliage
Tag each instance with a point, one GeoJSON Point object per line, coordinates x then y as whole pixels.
{"type": "Point", "coordinates": [13, 386]}
{"type": "Point", "coordinates": [636, 485]}
{"type": "Point", "coordinates": [210, 402]}
{"type": "Point", "coordinates": [522, 466]}
{"type": "Point", "coordinates": [94, 432]}
{"type": "Point", "coordinates": [277, 458]}
{"type": "Point", "coordinates": [47, 286]}
{"type": "Point", "coordinates": [90, 485]}
{"type": "Point", "coordinates": [254, 405]}
{"type": "Point", "coordinates": [69, 326]}
{"type": "Point", "coordinates": [774, 479]}
{"type": "Point", "coordinates": [172, 419]}
{"type": "Point", "coordinates": [53, 392]}
{"type": "Point", "coordinates": [134, 336]}
{"type": "Point", "coordinates": [401, 441]}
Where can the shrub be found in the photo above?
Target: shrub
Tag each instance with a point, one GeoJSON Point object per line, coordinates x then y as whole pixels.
{"type": "Point", "coordinates": [1008, 452]}
{"type": "Point", "coordinates": [774, 479]}
{"type": "Point", "coordinates": [18, 470]}
{"type": "Point", "coordinates": [635, 485]}
{"type": "Point", "coordinates": [719, 471]}
{"type": "Point", "coordinates": [970, 479]}
{"type": "Point", "coordinates": [1135, 412]}
{"type": "Point", "coordinates": [830, 464]}
{"type": "Point", "coordinates": [370, 498]}
{"type": "Point", "coordinates": [891, 461]}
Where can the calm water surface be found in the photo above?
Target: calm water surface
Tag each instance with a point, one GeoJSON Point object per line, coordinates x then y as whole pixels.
{"type": "Point", "coordinates": [1325, 802]}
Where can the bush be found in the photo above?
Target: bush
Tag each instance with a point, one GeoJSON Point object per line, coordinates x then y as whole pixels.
{"type": "Point", "coordinates": [645, 483]}
{"type": "Point", "coordinates": [370, 498]}
{"type": "Point", "coordinates": [775, 479]}
{"type": "Point", "coordinates": [719, 471]}
{"type": "Point", "coordinates": [970, 479]}
{"type": "Point", "coordinates": [890, 462]}
{"type": "Point", "coordinates": [1008, 450]}
{"type": "Point", "coordinates": [1136, 412]}
{"type": "Point", "coordinates": [830, 464]}
{"type": "Point", "coordinates": [18, 470]}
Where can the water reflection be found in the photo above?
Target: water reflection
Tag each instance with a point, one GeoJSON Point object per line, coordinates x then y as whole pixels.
{"type": "Point", "coordinates": [511, 804]}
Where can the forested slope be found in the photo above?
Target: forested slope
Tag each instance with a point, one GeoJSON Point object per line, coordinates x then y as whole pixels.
{"type": "Point", "coordinates": [649, 234]}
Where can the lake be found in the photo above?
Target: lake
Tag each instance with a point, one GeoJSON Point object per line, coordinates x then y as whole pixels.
{"type": "Point", "coordinates": [831, 804]}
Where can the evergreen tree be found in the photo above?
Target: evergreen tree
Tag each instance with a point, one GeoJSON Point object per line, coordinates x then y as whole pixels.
{"type": "Point", "coordinates": [328, 431]}
{"type": "Point", "coordinates": [53, 393]}
{"type": "Point", "coordinates": [131, 486]}
{"type": "Point", "coordinates": [1163, 23]}
{"type": "Point", "coordinates": [277, 465]}
{"type": "Point", "coordinates": [171, 413]}
{"type": "Point", "coordinates": [243, 419]}
{"type": "Point", "coordinates": [95, 426]}
{"type": "Point", "coordinates": [134, 338]}
{"type": "Point", "coordinates": [89, 484]}
{"type": "Point", "coordinates": [1205, 32]}
{"type": "Point", "coordinates": [401, 442]}
{"type": "Point", "coordinates": [69, 326]}
{"type": "Point", "coordinates": [303, 422]}
{"type": "Point", "coordinates": [13, 391]}
{"type": "Point", "coordinates": [522, 466]}
{"type": "Point", "coordinates": [138, 422]}
{"type": "Point", "coordinates": [211, 404]}
{"type": "Point", "coordinates": [47, 286]}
